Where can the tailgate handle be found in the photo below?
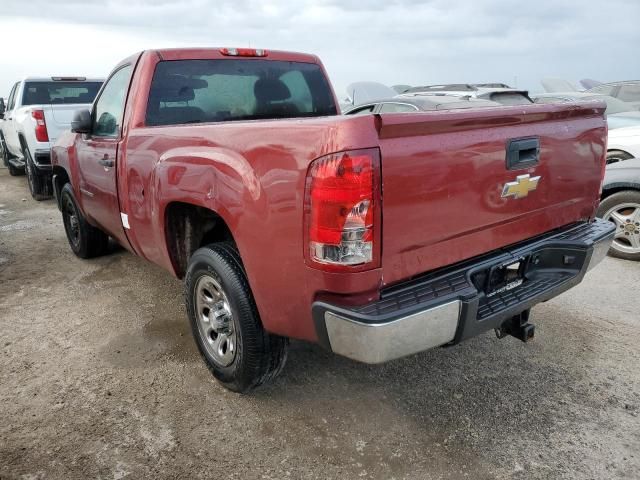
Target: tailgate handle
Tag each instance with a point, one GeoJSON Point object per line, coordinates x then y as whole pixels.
{"type": "Point", "coordinates": [522, 153]}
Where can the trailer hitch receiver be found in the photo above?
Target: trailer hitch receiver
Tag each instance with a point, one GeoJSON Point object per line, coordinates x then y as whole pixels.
{"type": "Point", "coordinates": [517, 326]}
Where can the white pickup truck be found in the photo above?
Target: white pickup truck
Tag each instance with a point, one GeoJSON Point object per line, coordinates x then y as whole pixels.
{"type": "Point", "coordinates": [38, 110]}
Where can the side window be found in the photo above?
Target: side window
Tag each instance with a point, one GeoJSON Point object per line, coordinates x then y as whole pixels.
{"type": "Point", "coordinates": [397, 108]}
{"type": "Point", "coordinates": [629, 93]}
{"type": "Point", "coordinates": [603, 89]}
{"type": "Point", "coordinates": [363, 110]}
{"type": "Point", "coordinates": [12, 97]}
{"type": "Point", "coordinates": [109, 109]}
{"type": "Point", "coordinates": [548, 100]}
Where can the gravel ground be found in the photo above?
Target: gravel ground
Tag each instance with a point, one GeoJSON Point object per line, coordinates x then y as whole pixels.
{"type": "Point", "coordinates": [100, 378]}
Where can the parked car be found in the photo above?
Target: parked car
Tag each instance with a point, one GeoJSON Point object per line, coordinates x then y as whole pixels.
{"type": "Point", "coordinates": [623, 144]}
{"type": "Point", "coordinates": [232, 169]}
{"type": "Point", "coordinates": [555, 85]}
{"type": "Point", "coordinates": [626, 91]}
{"type": "Point", "coordinates": [364, 92]}
{"type": "Point", "coordinates": [501, 94]}
{"type": "Point", "coordinates": [623, 139]}
{"type": "Point", "coordinates": [38, 110]}
{"type": "Point", "coordinates": [621, 206]}
{"type": "Point", "coordinates": [420, 103]}
{"type": "Point", "coordinates": [619, 113]}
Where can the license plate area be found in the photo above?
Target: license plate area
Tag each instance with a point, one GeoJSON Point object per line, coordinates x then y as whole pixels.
{"type": "Point", "coordinates": [506, 276]}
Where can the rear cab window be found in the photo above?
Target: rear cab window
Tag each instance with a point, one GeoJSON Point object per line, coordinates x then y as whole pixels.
{"type": "Point", "coordinates": [202, 91]}
{"type": "Point", "coordinates": [57, 92]}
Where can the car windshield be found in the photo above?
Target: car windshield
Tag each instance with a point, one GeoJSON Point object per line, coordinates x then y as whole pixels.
{"type": "Point", "coordinates": [56, 92]}
{"type": "Point", "coordinates": [613, 104]}
{"type": "Point", "coordinates": [198, 91]}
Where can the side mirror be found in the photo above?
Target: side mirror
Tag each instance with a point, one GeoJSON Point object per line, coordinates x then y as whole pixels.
{"type": "Point", "coordinates": [3, 108]}
{"type": "Point", "coordinates": [81, 122]}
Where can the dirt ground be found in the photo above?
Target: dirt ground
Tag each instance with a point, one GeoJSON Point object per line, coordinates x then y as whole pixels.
{"type": "Point", "coordinates": [100, 378]}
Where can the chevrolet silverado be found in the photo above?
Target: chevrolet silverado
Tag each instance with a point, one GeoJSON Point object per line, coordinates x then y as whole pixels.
{"type": "Point", "coordinates": [38, 110]}
{"type": "Point", "coordinates": [376, 236]}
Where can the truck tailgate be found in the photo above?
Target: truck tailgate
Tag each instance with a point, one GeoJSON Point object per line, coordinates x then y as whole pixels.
{"type": "Point", "coordinates": [58, 118]}
{"type": "Point", "coordinates": [444, 175]}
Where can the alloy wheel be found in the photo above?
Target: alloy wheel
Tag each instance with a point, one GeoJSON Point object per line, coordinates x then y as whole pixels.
{"type": "Point", "coordinates": [626, 217]}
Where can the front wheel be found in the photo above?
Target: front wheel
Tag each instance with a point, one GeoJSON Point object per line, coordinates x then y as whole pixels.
{"type": "Point", "coordinates": [623, 210]}
{"type": "Point", "coordinates": [85, 240]}
{"type": "Point", "coordinates": [15, 171]}
{"type": "Point", "coordinates": [4, 152]}
{"type": "Point", "coordinates": [225, 323]}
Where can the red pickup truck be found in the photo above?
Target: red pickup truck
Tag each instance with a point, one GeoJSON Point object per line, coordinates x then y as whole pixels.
{"type": "Point", "coordinates": [376, 236]}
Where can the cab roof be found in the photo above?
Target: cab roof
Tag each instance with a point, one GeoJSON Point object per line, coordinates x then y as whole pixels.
{"type": "Point", "coordinates": [217, 53]}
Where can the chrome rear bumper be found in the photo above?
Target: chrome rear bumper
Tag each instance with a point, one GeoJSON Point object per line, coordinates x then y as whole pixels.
{"type": "Point", "coordinates": [449, 306]}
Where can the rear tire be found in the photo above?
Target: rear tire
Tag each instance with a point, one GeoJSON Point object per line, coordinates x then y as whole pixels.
{"type": "Point", "coordinates": [623, 209]}
{"type": "Point", "coordinates": [225, 323]}
{"type": "Point", "coordinates": [85, 240]}
{"type": "Point", "coordinates": [615, 156]}
{"type": "Point", "coordinates": [39, 185]}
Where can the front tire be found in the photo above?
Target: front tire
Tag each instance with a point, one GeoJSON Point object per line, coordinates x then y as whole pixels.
{"type": "Point", "coordinates": [85, 240]}
{"type": "Point", "coordinates": [225, 323]}
{"type": "Point", "coordinates": [4, 152]}
{"type": "Point", "coordinates": [15, 171]}
{"type": "Point", "coordinates": [623, 209]}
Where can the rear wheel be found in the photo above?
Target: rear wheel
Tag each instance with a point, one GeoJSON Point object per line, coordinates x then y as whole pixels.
{"type": "Point", "coordinates": [615, 156]}
{"type": "Point", "coordinates": [85, 240]}
{"type": "Point", "coordinates": [623, 210]}
{"type": "Point", "coordinates": [39, 184]}
{"type": "Point", "coordinates": [225, 323]}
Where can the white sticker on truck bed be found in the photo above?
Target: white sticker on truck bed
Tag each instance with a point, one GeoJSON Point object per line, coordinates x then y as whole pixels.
{"type": "Point", "coordinates": [125, 220]}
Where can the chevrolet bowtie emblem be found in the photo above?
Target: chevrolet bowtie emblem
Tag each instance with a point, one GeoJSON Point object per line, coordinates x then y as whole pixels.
{"type": "Point", "coordinates": [521, 187]}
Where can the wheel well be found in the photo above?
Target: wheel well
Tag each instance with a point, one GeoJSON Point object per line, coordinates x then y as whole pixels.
{"type": "Point", "coordinates": [620, 152]}
{"type": "Point", "coordinates": [22, 140]}
{"type": "Point", "coordinates": [60, 178]}
{"type": "Point", "coordinates": [618, 188]}
{"type": "Point", "coordinates": [189, 227]}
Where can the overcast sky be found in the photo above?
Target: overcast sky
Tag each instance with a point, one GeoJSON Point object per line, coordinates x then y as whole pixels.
{"type": "Point", "coordinates": [389, 41]}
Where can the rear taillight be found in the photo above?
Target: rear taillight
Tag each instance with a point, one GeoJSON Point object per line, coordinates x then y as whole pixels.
{"type": "Point", "coordinates": [342, 211]}
{"type": "Point", "coordinates": [41, 126]}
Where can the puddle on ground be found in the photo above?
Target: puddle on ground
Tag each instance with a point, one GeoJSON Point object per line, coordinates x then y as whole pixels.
{"type": "Point", "coordinates": [160, 339]}
{"type": "Point", "coordinates": [175, 334]}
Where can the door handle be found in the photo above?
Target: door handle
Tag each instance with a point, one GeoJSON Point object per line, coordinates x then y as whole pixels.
{"type": "Point", "coordinates": [105, 161]}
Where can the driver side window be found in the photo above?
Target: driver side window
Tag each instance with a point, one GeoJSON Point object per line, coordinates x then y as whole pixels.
{"type": "Point", "coordinates": [109, 109]}
{"type": "Point", "coordinates": [11, 101]}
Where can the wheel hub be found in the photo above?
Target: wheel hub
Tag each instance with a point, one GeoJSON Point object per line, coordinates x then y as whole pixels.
{"type": "Point", "coordinates": [626, 217]}
{"type": "Point", "coordinates": [215, 320]}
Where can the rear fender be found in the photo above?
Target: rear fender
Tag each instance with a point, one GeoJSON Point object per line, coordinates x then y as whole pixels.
{"type": "Point", "coordinates": [217, 179]}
